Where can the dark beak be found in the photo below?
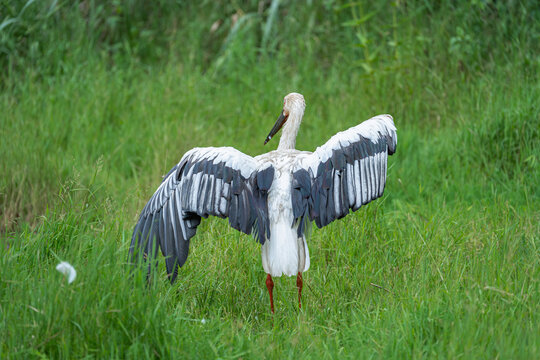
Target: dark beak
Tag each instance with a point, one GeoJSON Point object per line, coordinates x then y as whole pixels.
{"type": "Point", "coordinates": [279, 123]}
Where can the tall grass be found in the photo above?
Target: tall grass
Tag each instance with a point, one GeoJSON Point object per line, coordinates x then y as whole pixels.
{"type": "Point", "coordinates": [99, 99]}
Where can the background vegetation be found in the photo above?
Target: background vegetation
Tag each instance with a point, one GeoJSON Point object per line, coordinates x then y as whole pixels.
{"type": "Point", "coordinates": [100, 98]}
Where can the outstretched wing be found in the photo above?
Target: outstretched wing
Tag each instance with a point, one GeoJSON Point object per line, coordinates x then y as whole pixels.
{"type": "Point", "coordinates": [222, 182]}
{"type": "Point", "coordinates": [345, 173]}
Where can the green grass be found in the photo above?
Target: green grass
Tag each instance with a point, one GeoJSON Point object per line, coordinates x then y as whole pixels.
{"type": "Point", "coordinates": [446, 264]}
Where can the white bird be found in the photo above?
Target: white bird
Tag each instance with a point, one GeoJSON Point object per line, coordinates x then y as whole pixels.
{"type": "Point", "coordinates": [273, 196]}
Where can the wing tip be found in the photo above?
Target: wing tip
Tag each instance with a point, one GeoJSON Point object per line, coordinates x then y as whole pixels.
{"type": "Point", "coordinates": [391, 132]}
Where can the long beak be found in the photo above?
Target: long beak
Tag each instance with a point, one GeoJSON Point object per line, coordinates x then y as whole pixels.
{"type": "Point", "coordinates": [279, 123]}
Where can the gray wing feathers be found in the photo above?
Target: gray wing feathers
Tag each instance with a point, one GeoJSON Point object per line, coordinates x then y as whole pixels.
{"type": "Point", "coordinates": [208, 181]}
{"type": "Point", "coordinates": [347, 172]}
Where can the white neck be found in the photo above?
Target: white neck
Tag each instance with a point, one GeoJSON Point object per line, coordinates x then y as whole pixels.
{"type": "Point", "coordinates": [290, 129]}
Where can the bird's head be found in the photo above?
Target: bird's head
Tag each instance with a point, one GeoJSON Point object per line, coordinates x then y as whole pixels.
{"type": "Point", "coordinates": [292, 103]}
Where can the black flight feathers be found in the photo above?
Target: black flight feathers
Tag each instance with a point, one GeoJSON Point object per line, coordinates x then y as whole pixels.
{"type": "Point", "coordinates": [195, 188]}
{"type": "Point", "coordinates": [352, 176]}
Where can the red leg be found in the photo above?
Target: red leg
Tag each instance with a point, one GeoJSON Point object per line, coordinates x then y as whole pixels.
{"type": "Point", "coordinates": [299, 283]}
{"type": "Point", "coordinates": [270, 286]}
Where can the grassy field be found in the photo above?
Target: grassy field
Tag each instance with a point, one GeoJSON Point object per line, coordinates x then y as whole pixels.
{"type": "Point", "coordinates": [98, 101]}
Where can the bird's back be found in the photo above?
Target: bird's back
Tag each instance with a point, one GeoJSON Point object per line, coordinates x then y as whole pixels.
{"type": "Point", "coordinates": [284, 253]}
{"type": "Point", "coordinates": [279, 195]}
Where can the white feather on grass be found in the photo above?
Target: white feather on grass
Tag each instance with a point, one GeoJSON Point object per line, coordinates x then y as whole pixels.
{"type": "Point", "coordinates": [68, 270]}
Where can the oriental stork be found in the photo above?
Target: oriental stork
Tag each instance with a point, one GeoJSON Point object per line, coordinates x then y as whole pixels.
{"type": "Point", "coordinates": [273, 196]}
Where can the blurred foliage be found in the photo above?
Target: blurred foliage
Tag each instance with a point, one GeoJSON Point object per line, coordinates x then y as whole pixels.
{"type": "Point", "coordinates": [43, 35]}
